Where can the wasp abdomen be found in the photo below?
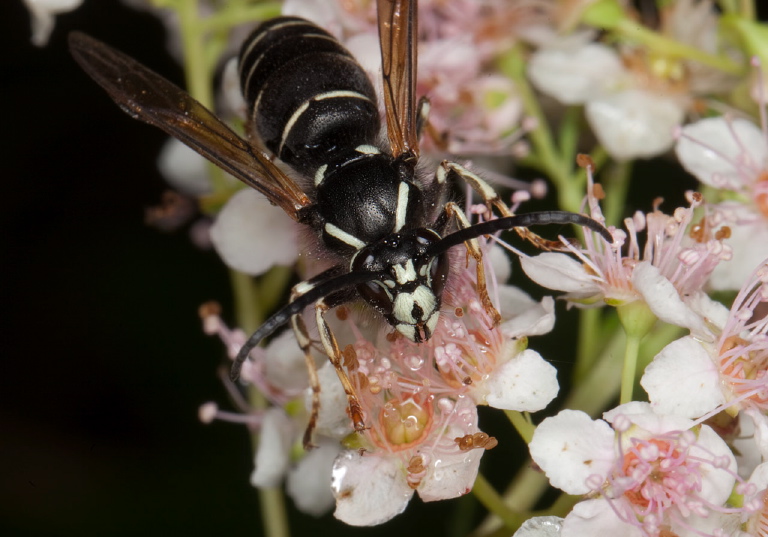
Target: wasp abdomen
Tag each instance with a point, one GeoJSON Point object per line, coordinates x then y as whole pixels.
{"type": "Point", "coordinates": [309, 100]}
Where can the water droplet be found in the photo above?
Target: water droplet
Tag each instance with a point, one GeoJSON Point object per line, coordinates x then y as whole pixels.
{"type": "Point", "coordinates": [414, 362]}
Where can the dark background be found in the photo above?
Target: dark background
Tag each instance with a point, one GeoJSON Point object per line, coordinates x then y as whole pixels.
{"type": "Point", "coordinates": [103, 362]}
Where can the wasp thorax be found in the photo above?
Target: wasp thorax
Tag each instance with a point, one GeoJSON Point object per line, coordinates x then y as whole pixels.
{"type": "Point", "coordinates": [409, 296]}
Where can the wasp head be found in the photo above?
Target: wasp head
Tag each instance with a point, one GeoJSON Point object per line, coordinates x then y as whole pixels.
{"type": "Point", "coordinates": [409, 295]}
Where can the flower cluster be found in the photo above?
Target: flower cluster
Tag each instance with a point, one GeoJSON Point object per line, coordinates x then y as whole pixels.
{"type": "Point", "coordinates": [676, 304]}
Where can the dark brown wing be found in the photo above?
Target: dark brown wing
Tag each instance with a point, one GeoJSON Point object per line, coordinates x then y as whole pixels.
{"type": "Point", "coordinates": [149, 97]}
{"type": "Point", "coordinates": [398, 27]}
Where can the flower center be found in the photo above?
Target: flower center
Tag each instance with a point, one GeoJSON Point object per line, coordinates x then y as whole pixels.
{"type": "Point", "coordinates": [761, 192]}
{"type": "Point", "coordinates": [745, 369]}
{"type": "Point", "coordinates": [658, 474]}
{"type": "Point", "coordinates": [404, 422]}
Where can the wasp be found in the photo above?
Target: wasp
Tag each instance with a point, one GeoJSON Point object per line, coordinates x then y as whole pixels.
{"type": "Point", "coordinates": [383, 221]}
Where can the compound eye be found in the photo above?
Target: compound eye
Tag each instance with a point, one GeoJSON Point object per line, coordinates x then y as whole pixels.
{"type": "Point", "coordinates": [376, 294]}
{"type": "Point", "coordinates": [438, 273]}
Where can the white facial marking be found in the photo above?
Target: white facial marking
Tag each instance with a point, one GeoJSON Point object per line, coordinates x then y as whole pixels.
{"type": "Point", "coordinates": [425, 298]}
{"type": "Point", "coordinates": [343, 236]}
{"type": "Point", "coordinates": [405, 273]}
{"type": "Point", "coordinates": [320, 174]}
{"type": "Point", "coordinates": [402, 206]}
{"type": "Point", "coordinates": [407, 330]}
{"type": "Point", "coordinates": [402, 307]}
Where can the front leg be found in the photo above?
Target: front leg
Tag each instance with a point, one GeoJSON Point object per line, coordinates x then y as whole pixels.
{"type": "Point", "coordinates": [334, 353]}
{"type": "Point", "coordinates": [491, 199]}
{"type": "Point", "coordinates": [453, 211]}
{"type": "Point", "coordinates": [486, 191]}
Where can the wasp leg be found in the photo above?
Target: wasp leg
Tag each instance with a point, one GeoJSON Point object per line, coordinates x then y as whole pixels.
{"type": "Point", "coordinates": [451, 210]}
{"type": "Point", "coordinates": [486, 191]}
{"type": "Point", "coordinates": [305, 343]}
{"type": "Point", "coordinates": [334, 353]}
{"type": "Point", "coordinates": [491, 199]}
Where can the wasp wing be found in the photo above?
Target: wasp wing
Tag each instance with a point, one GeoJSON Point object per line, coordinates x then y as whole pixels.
{"type": "Point", "coordinates": [398, 27]}
{"type": "Point", "coordinates": [149, 97]}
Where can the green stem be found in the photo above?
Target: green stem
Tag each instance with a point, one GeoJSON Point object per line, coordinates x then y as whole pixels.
{"type": "Point", "coordinates": [248, 310]}
{"type": "Point", "coordinates": [250, 315]}
{"type": "Point", "coordinates": [595, 391]}
{"type": "Point", "coordinates": [589, 327]}
{"type": "Point", "coordinates": [569, 133]}
{"type": "Point", "coordinates": [561, 507]}
{"type": "Point", "coordinates": [629, 373]}
{"type": "Point", "coordinates": [617, 184]}
{"type": "Point", "coordinates": [546, 155]}
{"type": "Point", "coordinates": [492, 501]}
{"type": "Point", "coordinates": [522, 424]}
{"type": "Point", "coordinates": [670, 47]}
{"type": "Point", "coordinates": [198, 72]}
{"type": "Point", "coordinates": [742, 8]}
{"type": "Point", "coordinates": [241, 14]}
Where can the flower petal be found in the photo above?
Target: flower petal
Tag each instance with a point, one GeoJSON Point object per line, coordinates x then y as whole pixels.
{"type": "Point", "coordinates": [575, 75]}
{"type": "Point", "coordinates": [183, 168]}
{"type": "Point", "coordinates": [749, 242]}
{"type": "Point", "coordinates": [332, 420]}
{"type": "Point", "coordinates": [43, 12]}
{"type": "Point", "coordinates": [634, 124]}
{"type": "Point", "coordinates": [452, 476]}
{"type": "Point", "coordinates": [525, 383]}
{"type": "Point", "coordinates": [595, 517]}
{"type": "Point", "coordinates": [664, 300]}
{"type": "Point", "coordinates": [716, 483]}
{"type": "Point", "coordinates": [272, 455]}
{"type": "Point", "coordinates": [368, 489]}
{"type": "Point", "coordinates": [526, 316]}
{"type": "Point", "coordinates": [252, 236]}
{"type": "Point", "coordinates": [683, 380]}
{"type": "Point", "coordinates": [712, 150]}
{"type": "Point", "coordinates": [309, 483]}
{"type": "Point", "coordinates": [571, 447]}
{"type": "Point", "coordinates": [559, 272]}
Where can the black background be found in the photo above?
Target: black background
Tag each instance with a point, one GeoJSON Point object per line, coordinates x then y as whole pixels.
{"type": "Point", "coordinates": [103, 362]}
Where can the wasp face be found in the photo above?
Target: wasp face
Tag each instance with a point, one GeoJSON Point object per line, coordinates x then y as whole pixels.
{"type": "Point", "coordinates": [410, 297]}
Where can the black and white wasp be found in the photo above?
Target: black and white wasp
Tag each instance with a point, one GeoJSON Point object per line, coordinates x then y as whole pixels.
{"type": "Point", "coordinates": [312, 106]}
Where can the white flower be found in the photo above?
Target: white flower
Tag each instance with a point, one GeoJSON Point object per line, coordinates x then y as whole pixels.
{"type": "Point", "coordinates": [724, 368]}
{"type": "Point", "coordinates": [252, 236]}
{"type": "Point", "coordinates": [630, 121]}
{"type": "Point", "coordinates": [666, 275]}
{"type": "Point", "coordinates": [634, 123]}
{"type": "Point", "coordinates": [43, 13]}
{"type": "Point", "coordinates": [732, 155]}
{"type": "Point", "coordinates": [646, 473]}
{"type": "Point", "coordinates": [633, 98]}
{"type": "Point", "coordinates": [184, 168]}
{"type": "Point", "coordinates": [440, 463]}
